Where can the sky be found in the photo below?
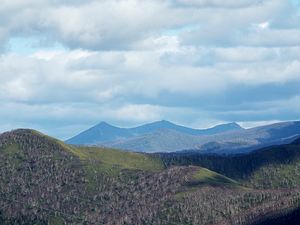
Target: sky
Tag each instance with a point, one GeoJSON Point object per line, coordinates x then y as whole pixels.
{"type": "Point", "coordinates": [66, 65]}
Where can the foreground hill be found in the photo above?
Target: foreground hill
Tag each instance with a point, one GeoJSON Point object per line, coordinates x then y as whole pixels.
{"type": "Point", "coordinates": [45, 181]}
{"type": "Point", "coordinates": [104, 133]}
{"type": "Point", "coordinates": [231, 140]}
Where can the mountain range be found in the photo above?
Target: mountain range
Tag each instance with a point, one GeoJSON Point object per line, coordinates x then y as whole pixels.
{"type": "Point", "coordinates": [164, 136]}
{"type": "Point", "coordinates": [104, 132]}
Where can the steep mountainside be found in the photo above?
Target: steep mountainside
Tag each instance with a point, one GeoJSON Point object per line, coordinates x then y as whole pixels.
{"type": "Point", "coordinates": [104, 133]}
{"type": "Point", "coordinates": [45, 181]}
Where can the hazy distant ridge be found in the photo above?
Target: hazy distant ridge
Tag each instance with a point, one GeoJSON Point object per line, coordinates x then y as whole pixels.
{"type": "Point", "coordinates": [104, 132]}
{"type": "Point", "coordinates": [164, 136]}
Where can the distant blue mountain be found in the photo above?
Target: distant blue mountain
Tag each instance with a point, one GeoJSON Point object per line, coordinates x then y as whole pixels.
{"type": "Point", "coordinates": [229, 142]}
{"type": "Point", "coordinates": [164, 124]}
{"type": "Point", "coordinates": [104, 133]}
{"type": "Point", "coordinates": [164, 136]}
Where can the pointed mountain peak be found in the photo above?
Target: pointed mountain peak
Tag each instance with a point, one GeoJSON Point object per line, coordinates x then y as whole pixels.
{"type": "Point", "coordinates": [166, 122]}
{"type": "Point", "coordinates": [160, 124]}
{"type": "Point", "coordinates": [104, 124]}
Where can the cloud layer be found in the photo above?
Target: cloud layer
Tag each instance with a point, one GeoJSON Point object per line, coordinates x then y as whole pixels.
{"type": "Point", "coordinates": [132, 61]}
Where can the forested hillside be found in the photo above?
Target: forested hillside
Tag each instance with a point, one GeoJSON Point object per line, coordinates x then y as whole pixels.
{"type": "Point", "coordinates": [44, 181]}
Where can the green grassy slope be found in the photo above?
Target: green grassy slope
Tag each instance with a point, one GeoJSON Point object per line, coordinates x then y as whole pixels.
{"type": "Point", "coordinates": [109, 161]}
{"type": "Point", "coordinates": [203, 177]}
{"type": "Point", "coordinates": [206, 176]}
{"type": "Point", "coordinates": [112, 161]}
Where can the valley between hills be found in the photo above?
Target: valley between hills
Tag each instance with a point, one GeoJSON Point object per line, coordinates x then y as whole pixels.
{"type": "Point", "coordinates": [46, 181]}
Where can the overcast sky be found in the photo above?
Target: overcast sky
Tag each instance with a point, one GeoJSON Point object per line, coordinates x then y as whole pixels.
{"type": "Point", "coordinates": [68, 64]}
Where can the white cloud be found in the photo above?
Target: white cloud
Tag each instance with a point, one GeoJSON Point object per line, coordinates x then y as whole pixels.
{"type": "Point", "coordinates": [220, 27]}
{"type": "Point", "coordinates": [78, 75]}
{"type": "Point", "coordinates": [264, 25]}
{"type": "Point", "coordinates": [123, 24]}
{"type": "Point", "coordinates": [133, 61]}
{"type": "Point", "coordinates": [139, 113]}
{"type": "Point", "coordinates": [220, 3]}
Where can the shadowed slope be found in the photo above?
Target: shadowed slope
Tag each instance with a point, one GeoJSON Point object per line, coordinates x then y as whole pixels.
{"type": "Point", "coordinates": [277, 166]}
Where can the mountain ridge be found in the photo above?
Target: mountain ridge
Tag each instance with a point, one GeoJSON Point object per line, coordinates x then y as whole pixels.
{"type": "Point", "coordinates": [231, 142]}
{"type": "Point", "coordinates": [164, 136]}
{"type": "Point", "coordinates": [104, 132]}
